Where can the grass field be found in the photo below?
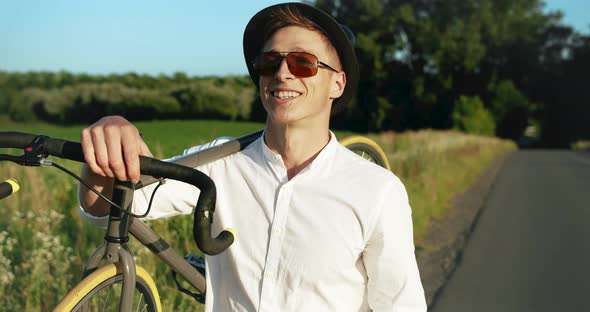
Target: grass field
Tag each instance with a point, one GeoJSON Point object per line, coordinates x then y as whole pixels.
{"type": "Point", "coordinates": [43, 242]}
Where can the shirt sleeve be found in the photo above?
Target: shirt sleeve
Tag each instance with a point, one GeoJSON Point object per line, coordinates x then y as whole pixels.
{"type": "Point", "coordinates": [173, 197]}
{"type": "Point", "coordinates": [393, 278]}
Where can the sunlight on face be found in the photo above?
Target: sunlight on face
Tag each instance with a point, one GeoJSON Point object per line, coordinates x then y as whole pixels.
{"type": "Point", "coordinates": [289, 99]}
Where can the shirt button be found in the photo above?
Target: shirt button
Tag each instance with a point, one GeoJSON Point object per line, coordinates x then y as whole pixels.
{"type": "Point", "coordinates": [268, 274]}
{"type": "Point", "coordinates": [286, 190]}
{"type": "Point", "coordinates": [277, 230]}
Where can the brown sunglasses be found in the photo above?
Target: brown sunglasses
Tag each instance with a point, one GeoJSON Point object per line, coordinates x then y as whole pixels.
{"type": "Point", "coordinates": [300, 64]}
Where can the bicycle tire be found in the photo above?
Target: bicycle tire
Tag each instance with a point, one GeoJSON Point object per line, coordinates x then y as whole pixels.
{"type": "Point", "coordinates": [366, 148]}
{"type": "Point", "coordinates": [106, 281]}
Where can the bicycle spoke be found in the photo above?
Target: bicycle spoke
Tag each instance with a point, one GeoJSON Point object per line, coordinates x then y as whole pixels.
{"type": "Point", "coordinates": [366, 156]}
{"type": "Point", "coordinates": [367, 149]}
{"type": "Point", "coordinates": [106, 301]}
{"type": "Point", "coordinates": [106, 297]}
{"type": "Point", "coordinates": [139, 303]}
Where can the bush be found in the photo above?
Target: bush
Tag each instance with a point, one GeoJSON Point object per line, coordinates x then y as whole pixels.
{"type": "Point", "coordinates": [511, 110]}
{"type": "Point", "coordinates": [470, 116]}
{"type": "Point", "coordinates": [19, 107]}
{"type": "Point", "coordinates": [85, 103]}
{"type": "Point", "coordinates": [507, 98]}
{"type": "Point", "coordinates": [78, 98]}
{"type": "Point", "coordinates": [215, 98]}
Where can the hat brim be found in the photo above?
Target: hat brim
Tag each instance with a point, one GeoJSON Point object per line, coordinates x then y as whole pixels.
{"type": "Point", "coordinates": [254, 41]}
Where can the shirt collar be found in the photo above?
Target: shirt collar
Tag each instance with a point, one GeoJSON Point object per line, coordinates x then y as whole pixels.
{"type": "Point", "coordinates": [276, 162]}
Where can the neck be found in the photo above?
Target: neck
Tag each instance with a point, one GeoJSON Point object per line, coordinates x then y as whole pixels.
{"type": "Point", "coordinates": [298, 146]}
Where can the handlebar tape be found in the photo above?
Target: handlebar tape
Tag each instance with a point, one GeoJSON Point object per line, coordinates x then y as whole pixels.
{"type": "Point", "coordinates": [203, 215]}
{"type": "Point", "coordinates": [8, 188]}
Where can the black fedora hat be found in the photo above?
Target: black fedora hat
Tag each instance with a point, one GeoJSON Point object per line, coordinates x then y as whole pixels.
{"type": "Point", "coordinates": [339, 35]}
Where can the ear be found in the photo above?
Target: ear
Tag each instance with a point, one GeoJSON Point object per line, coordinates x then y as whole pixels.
{"type": "Point", "coordinates": [338, 83]}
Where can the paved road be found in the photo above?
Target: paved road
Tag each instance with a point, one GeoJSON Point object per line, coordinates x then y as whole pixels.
{"type": "Point", "coordinates": [530, 250]}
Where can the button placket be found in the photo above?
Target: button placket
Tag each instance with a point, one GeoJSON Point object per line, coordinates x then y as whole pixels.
{"type": "Point", "coordinates": [274, 247]}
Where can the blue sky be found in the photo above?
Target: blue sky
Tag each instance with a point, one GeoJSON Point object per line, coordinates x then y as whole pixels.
{"type": "Point", "coordinates": [148, 37]}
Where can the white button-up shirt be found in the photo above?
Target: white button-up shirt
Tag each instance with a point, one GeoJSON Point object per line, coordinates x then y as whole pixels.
{"type": "Point", "coordinates": [336, 237]}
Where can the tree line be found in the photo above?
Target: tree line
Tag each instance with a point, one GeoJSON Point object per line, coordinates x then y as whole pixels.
{"type": "Point", "coordinates": [481, 66]}
{"type": "Point", "coordinates": [425, 62]}
{"type": "Point", "coordinates": [69, 98]}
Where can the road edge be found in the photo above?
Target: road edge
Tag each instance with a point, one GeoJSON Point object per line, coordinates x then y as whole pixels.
{"type": "Point", "coordinates": [441, 250]}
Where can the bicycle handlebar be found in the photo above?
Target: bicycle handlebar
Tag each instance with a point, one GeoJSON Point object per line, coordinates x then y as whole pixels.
{"type": "Point", "coordinates": [9, 187]}
{"type": "Point", "coordinates": [204, 210]}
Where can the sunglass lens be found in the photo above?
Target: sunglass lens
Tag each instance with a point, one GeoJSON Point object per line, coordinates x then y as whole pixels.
{"type": "Point", "coordinates": [302, 64]}
{"type": "Point", "coordinates": [267, 63]}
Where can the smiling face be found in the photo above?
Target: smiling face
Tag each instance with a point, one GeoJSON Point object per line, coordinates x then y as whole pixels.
{"type": "Point", "coordinates": [306, 101]}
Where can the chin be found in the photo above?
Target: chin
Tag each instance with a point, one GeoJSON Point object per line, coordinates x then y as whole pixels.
{"type": "Point", "coordinates": [278, 119]}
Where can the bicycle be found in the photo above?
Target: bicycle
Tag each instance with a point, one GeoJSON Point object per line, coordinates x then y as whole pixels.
{"type": "Point", "coordinates": [366, 148]}
{"type": "Point", "coordinates": [110, 277]}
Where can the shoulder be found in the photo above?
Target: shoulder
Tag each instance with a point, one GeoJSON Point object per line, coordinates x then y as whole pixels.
{"type": "Point", "coordinates": [195, 151]}
{"type": "Point", "coordinates": [202, 147]}
{"type": "Point", "coordinates": [236, 161]}
{"type": "Point", "coordinates": [368, 175]}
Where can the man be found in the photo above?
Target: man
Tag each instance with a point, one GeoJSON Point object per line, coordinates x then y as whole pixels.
{"type": "Point", "coordinates": [321, 229]}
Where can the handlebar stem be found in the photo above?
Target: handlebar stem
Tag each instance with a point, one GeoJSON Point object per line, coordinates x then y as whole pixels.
{"type": "Point", "coordinates": [118, 226]}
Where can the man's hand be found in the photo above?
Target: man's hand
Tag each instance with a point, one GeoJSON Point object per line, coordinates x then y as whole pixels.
{"type": "Point", "coordinates": [112, 147]}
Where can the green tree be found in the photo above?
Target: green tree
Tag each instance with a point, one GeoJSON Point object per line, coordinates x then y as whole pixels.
{"type": "Point", "coordinates": [511, 110]}
{"type": "Point", "coordinates": [420, 56]}
{"type": "Point", "coordinates": [470, 116]}
{"type": "Point", "coordinates": [507, 98]}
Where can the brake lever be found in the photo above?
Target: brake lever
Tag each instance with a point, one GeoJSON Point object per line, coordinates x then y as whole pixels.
{"type": "Point", "coordinates": [35, 154]}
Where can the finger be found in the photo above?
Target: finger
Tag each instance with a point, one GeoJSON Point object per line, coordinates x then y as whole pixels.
{"type": "Point", "coordinates": [101, 151]}
{"type": "Point", "coordinates": [113, 141]}
{"type": "Point", "coordinates": [144, 149]}
{"type": "Point", "coordinates": [131, 152]}
{"type": "Point", "coordinates": [88, 150]}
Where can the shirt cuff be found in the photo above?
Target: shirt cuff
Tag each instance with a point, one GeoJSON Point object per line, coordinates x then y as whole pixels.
{"type": "Point", "coordinates": [100, 222]}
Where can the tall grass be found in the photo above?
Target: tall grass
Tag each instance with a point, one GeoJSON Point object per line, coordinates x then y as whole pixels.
{"type": "Point", "coordinates": [43, 242]}
{"type": "Point", "coordinates": [437, 165]}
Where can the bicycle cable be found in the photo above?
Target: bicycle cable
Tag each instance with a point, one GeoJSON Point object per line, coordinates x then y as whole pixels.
{"type": "Point", "coordinates": [35, 155]}
{"type": "Point", "coordinates": [46, 162]}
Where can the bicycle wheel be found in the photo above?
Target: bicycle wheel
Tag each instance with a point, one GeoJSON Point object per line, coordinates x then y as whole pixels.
{"type": "Point", "coordinates": [101, 291]}
{"type": "Point", "coordinates": [366, 148]}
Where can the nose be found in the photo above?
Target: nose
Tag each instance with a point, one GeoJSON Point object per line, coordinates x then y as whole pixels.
{"type": "Point", "coordinates": [283, 72]}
